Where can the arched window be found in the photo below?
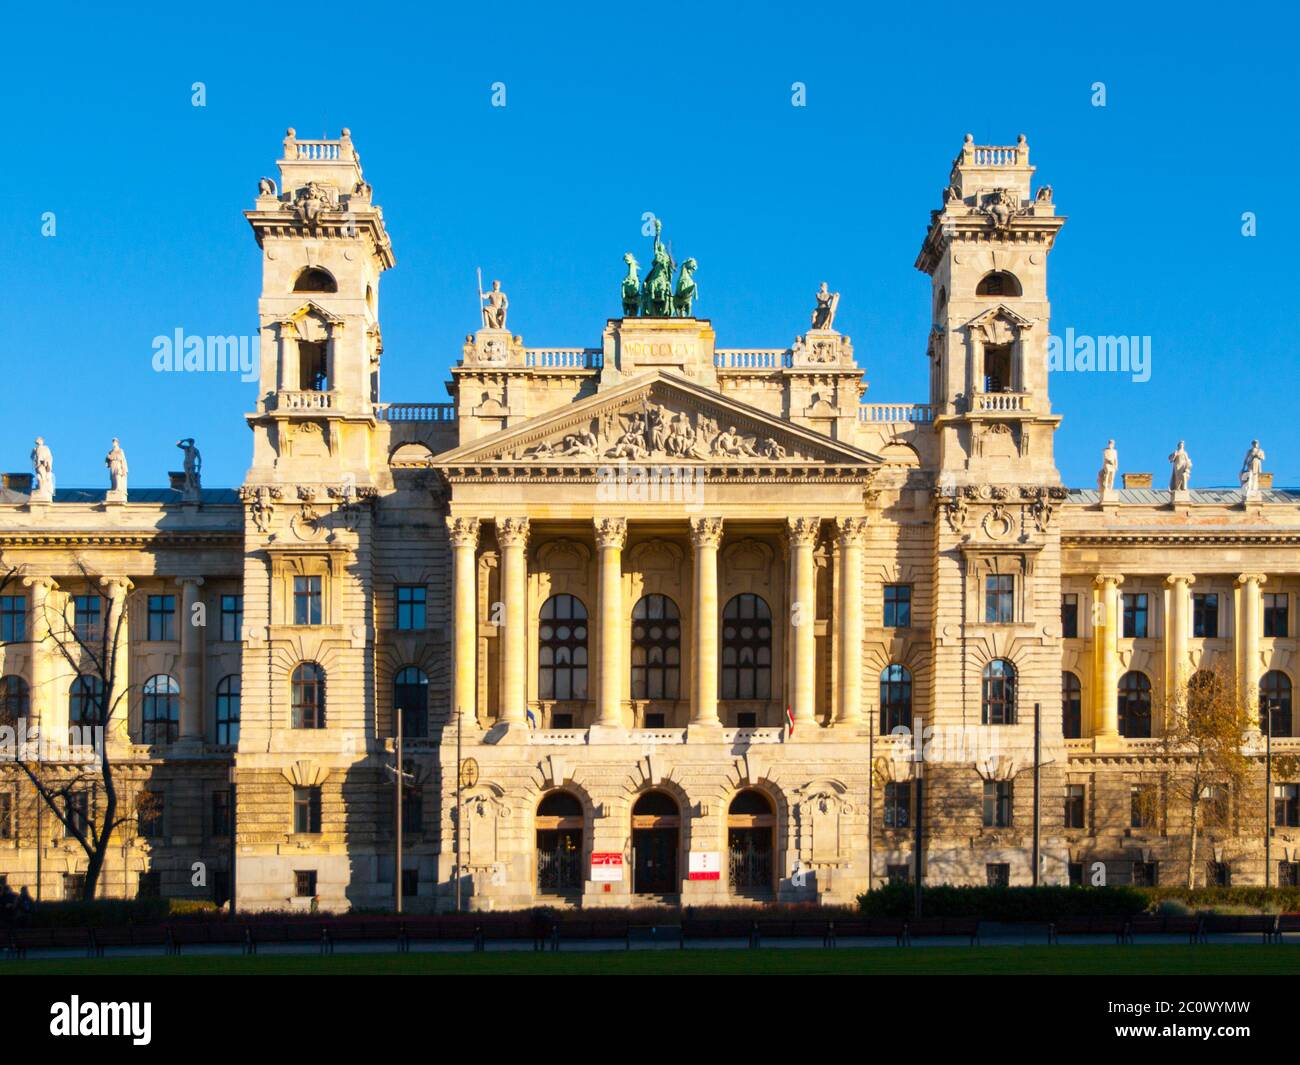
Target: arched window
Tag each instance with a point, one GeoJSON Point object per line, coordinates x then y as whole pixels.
{"type": "Point", "coordinates": [84, 701]}
{"type": "Point", "coordinates": [999, 702]}
{"type": "Point", "coordinates": [656, 648]}
{"type": "Point", "coordinates": [750, 803]}
{"type": "Point", "coordinates": [411, 701]}
{"type": "Point", "coordinates": [751, 831]}
{"type": "Point", "coordinates": [895, 699]}
{"type": "Point", "coordinates": [160, 710]}
{"type": "Point", "coordinates": [1275, 693]}
{"type": "Point", "coordinates": [314, 279]}
{"type": "Point", "coordinates": [560, 804]}
{"type": "Point", "coordinates": [656, 804]}
{"type": "Point", "coordinates": [559, 848]}
{"type": "Point", "coordinates": [1203, 685]}
{"type": "Point", "coordinates": [1135, 706]}
{"type": "Point", "coordinates": [746, 648]}
{"type": "Point", "coordinates": [228, 711]}
{"type": "Point", "coordinates": [308, 694]}
{"type": "Point", "coordinates": [1071, 706]}
{"type": "Point", "coordinates": [562, 649]}
{"type": "Point", "coordinates": [14, 700]}
{"type": "Point", "coordinates": [998, 283]}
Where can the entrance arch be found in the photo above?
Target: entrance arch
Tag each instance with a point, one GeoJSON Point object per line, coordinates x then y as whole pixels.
{"type": "Point", "coordinates": [559, 825]}
{"type": "Point", "coordinates": [751, 843]}
{"type": "Point", "coordinates": [656, 840]}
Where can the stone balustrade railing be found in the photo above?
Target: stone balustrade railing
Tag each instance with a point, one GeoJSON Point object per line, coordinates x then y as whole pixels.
{"type": "Point", "coordinates": [752, 358]}
{"type": "Point", "coordinates": [565, 358]}
{"type": "Point", "coordinates": [1001, 401]}
{"type": "Point", "coordinates": [304, 400]}
{"type": "Point", "coordinates": [996, 155]}
{"type": "Point", "coordinates": [325, 151]}
{"type": "Point", "coordinates": [894, 413]}
{"type": "Point", "coordinates": [415, 412]}
{"type": "Point", "coordinates": [754, 735]}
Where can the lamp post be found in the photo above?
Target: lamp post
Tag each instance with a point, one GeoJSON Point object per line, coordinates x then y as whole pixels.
{"type": "Point", "coordinates": [230, 861]}
{"type": "Point", "coordinates": [1037, 810]}
{"type": "Point", "coordinates": [918, 835]}
{"type": "Point", "coordinates": [1268, 794]}
{"type": "Point", "coordinates": [456, 871]}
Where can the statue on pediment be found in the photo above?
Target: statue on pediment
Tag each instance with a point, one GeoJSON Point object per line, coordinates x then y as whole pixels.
{"type": "Point", "coordinates": [43, 469]}
{"type": "Point", "coordinates": [1180, 475]}
{"type": "Point", "coordinates": [1109, 465]}
{"type": "Point", "coordinates": [115, 460]}
{"type": "Point", "coordinates": [731, 445]}
{"type": "Point", "coordinates": [657, 292]}
{"type": "Point", "coordinates": [687, 291]}
{"type": "Point", "coordinates": [631, 286]}
{"type": "Point", "coordinates": [828, 302]}
{"type": "Point", "coordinates": [495, 306]}
{"type": "Point", "coordinates": [1251, 467]}
{"type": "Point", "coordinates": [657, 297]}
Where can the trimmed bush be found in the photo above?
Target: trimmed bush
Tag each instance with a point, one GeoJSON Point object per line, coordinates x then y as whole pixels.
{"type": "Point", "coordinates": [1005, 903]}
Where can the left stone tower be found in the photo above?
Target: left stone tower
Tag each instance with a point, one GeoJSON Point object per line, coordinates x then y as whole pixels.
{"type": "Point", "coordinates": [324, 247]}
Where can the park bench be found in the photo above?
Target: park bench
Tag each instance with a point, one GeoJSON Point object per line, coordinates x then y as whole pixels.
{"type": "Point", "coordinates": [1119, 927]}
{"type": "Point", "coordinates": [360, 931]}
{"type": "Point", "coordinates": [942, 926]}
{"type": "Point", "coordinates": [1266, 925]}
{"type": "Point", "coordinates": [21, 940]}
{"type": "Point", "coordinates": [717, 928]}
{"type": "Point", "coordinates": [1146, 924]}
{"type": "Point", "coordinates": [214, 933]}
{"type": "Point", "coordinates": [130, 935]}
{"type": "Point", "coordinates": [865, 928]}
{"type": "Point", "coordinates": [794, 928]}
{"type": "Point", "coordinates": [287, 932]}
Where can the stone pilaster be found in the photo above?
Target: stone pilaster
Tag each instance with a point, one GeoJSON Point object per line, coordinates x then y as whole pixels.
{"type": "Point", "coordinates": [852, 533]}
{"type": "Point", "coordinates": [706, 535]}
{"type": "Point", "coordinates": [1106, 619]}
{"type": "Point", "coordinates": [1247, 649]}
{"type": "Point", "coordinates": [46, 708]}
{"type": "Point", "coordinates": [1178, 629]}
{"type": "Point", "coordinates": [119, 637]}
{"type": "Point", "coordinates": [463, 534]}
{"type": "Point", "coordinates": [802, 534]}
{"type": "Point", "coordinates": [611, 535]}
{"type": "Point", "coordinates": [191, 661]}
{"type": "Point", "coordinates": [512, 536]}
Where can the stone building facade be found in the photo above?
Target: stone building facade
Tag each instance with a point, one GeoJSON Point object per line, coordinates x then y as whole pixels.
{"type": "Point", "coordinates": [670, 607]}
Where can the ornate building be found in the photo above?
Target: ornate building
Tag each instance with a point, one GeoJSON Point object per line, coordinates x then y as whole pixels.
{"type": "Point", "coordinates": [672, 603]}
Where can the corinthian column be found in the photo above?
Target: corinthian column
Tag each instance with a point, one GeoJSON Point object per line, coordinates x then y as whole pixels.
{"type": "Point", "coordinates": [802, 534]}
{"type": "Point", "coordinates": [463, 533]}
{"type": "Point", "coordinates": [706, 534]}
{"type": "Point", "coordinates": [1105, 649]}
{"type": "Point", "coordinates": [191, 661]}
{"type": "Point", "coordinates": [1248, 643]}
{"type": "Point", "coordinates": [611, 535]}
{"type": "Point", "coordinates": [512, 536]}
{"type": "Point", "coordinates": [852, 532]}
{"type": "Point", "coordinates": [1178, 628]}
{"type": "Point", "coordinates": [49, 711]}
{"type": "Point", "coordinates": [119, 705]}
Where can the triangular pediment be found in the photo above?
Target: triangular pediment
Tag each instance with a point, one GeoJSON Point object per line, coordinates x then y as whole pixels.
{"type": "Point", "coordinates": [1000, 310]}
{"type": "Point", "coordinates": [658, 417]}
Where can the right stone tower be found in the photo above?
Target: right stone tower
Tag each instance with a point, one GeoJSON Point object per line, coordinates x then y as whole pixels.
{"type": "Point", "coordinates": [997, 623]}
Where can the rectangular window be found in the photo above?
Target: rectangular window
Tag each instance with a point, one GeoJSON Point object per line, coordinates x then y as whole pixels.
{"type": "Point", "coordinates": [1070, 616]}
{"type": "Point", "coordinates": [1135, 616]}
{"type": "Point", "coordinates": [220, 886]}
{"type": "Point", "coordinates": [998, 874]}
{"type": "Point", "coordinates": [149, 885]}
{"type": "Point", "coordinates": [898, 804]}
{"type": "Point", "coordinates": [1146, 874]}
{"type": "Point", "coordinates": [307, 600]}
{"type": "Point", "coordinates": [13, 618]}
{"type": "Point", "coordinates": [6, 815]}
{"type": "Point", "coordinates": [997, 804]}
{"type": "Point", "coordinates": [1074, 806]}
{"type": "Point", "coordinates": [746, 719]}
{"type": "Point", "coordinates": [565, 720]}
{"type": "Point", "coordinates": [1288, 874]}
{"type": "Point", "coordinates": [306, 810]}
{"type": "Point", "coordinates": [1218, 874]}
{"type": "Point", "coordinates": [1286, 805]}
{"type": "Point", "coordinates": [1205, 615]}
{"type": "Point", "coordinates": [1214, 805]}
{"type": "Point", "coordinates": [1142, 805]}
{"type": "Point", "coordinates": [221, 812]}
{"type": "Point", "coordinates": [898, 606]}
{"type": "Point", "coordinates": [413, 811]}
{"type": "Point", "coordinates": [1075, 872]}
{"type": "Point", "coordinates": [1276, 622]}
{"type": "Point", "coordinates": [655, 720]}
{"type": "Point", "coordinates": [78, 813]}
{"type": "Point", "coordinates": [232, 618]}
{"type": "Point", "coordinates": [410, 607]}
{"type": "Point", "coordinates": [149, 813]}
{"type": "Point", "coordinates": [86, 611]}
{"type": "Point", "coordinates": [304, 883]}
{"type": "Point", "coordinates": [410, 883]}
{"type": "Point", "coordinates": [898, 874]}
{"type": "Point", "coordinates": [162, 617]}
{"type": "Point", "coordinates": [998, 596]}
{"type": "Point", "coordinates": [73, 886]}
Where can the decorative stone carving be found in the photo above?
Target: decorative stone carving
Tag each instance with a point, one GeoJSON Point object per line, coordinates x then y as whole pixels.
{"type": "Point", "coordinates": [1251, 467]}
{"type": "Point", "coordinates": [115, 460]}
{"type": "Point", "coordinates": [266, 187]}
{"type": "Point", "coordinates": [512, 532]}
{"type": "Point", "coordinates": [1001, 207]}
{"type": "Point", "coordinates": [463, 532]}
{"type": "Point", "coordinates": [851, 531]}
{"type": "Point", "coordinates": [706, 532]}
{"type": "Point", "coordinates": [803, 532]}
{"type": "Point", "coordinates": [1181, 474]}
{"type": "Point", "coordinates": [43, 470]}
{"type": "Point", "coordinates": [314, 198]}
{"type": "Point", "coordinates": [823, 315]}
{"type": "Point", "coordinates": [611, 532]}
{"type": "Point", "coordinates": [955, 510]}
{"type": "Point", "coordinates": [1044, 194]}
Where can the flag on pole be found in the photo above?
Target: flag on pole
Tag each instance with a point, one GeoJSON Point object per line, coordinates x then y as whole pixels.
{"type": "Point", "coordinates": [530, 717]}
{"type": "Point", "coordinates": [789, 718]}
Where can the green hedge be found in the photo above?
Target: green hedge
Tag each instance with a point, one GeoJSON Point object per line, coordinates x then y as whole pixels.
{"type": "Point", "coordinates": [103, 913]}
{"type": "Point", "coordinates": [1005, 904]}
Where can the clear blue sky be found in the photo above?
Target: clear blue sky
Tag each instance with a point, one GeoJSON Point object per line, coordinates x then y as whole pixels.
{"type": "Point", "coordinates": [609, 116]}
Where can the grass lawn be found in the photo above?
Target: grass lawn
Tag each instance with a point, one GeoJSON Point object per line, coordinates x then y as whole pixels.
{"type": "Point", "coordinates": [1173, 959]}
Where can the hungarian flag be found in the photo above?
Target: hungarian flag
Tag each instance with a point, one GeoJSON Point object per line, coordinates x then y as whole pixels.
{"type": "Point", "coordinates": [789, 718]}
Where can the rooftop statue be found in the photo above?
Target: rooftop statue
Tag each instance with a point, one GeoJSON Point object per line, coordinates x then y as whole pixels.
{"type": "Point", "coordinates": [828, 302]}
{"type": "Point", "coordinates": [115, 460]}
{"type": "Point", "coordinates": [1181, 475]}
{"type": "Point", "coordinates": [1251, 467]}
{"type": "Point", "coordinates": [656, 296]}
{"type": "Point", "coordinates": [495, 305]}
{"type": "Point", "coordinates": [43, 468]}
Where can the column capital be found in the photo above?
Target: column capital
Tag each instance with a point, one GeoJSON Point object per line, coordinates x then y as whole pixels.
{"type": "Point", "coordinates": [182, 581]}
{"type": "Point", "coordinates": [611, 532]}
{"type": "Point", "coordinates": [512, 532]}
{"type": "Point", "coordinates": [1103, 579]}
{"type": "Point", "coordinates": [44, 584]}
{"type": "Point", "coordinates": [463, 532]}
{"type": "Point", "coordinates": [706, 532]}
{"type": "Point", "coordinates": [116, 586]}
{"type": "Point", "coordinates": [803, 532]}
{"type": "Point", "coordinates": [1251, 578]}
{"type": "Point", "coordinates": [851, 531]}
{"type": "Point", "coordinates": [1180, 578]}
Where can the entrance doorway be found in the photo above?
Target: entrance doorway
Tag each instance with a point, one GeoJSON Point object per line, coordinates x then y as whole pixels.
{"type": "Point", "coordinates": [656, 836]}
{"type": "Point", "coordinates": [751, 843]}
{"type": "Point", "coordinates": [559, 844]}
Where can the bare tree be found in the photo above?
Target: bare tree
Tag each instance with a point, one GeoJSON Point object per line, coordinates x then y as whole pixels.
{"type": "Point", "coordinates": [71, 773]}
{"type": "Point", "coordinates": [1205, 752]}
